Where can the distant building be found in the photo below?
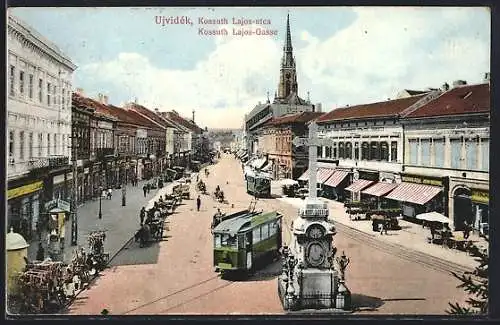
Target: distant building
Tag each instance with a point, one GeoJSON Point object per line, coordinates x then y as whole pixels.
{"type": "Point", "coordinates": [38, 123]}
{"type": "Point", "coordinates": [286, 99]}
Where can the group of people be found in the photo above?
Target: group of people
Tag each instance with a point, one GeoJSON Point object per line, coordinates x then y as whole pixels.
{"type": "Point", "coordinates": [158, 210]}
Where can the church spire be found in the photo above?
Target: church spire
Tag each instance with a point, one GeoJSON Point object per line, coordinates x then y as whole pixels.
{"type": "Point", "coordinates": [288, 43]}
{"type": "Point", "coordinates": [288, 74]}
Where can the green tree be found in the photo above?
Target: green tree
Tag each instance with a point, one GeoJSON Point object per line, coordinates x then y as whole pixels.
{"type": "Point", "coordinates": [475, 284]}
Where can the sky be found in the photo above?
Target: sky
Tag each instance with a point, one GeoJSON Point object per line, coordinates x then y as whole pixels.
{"type": "Point", "coordinates": [344, 55]}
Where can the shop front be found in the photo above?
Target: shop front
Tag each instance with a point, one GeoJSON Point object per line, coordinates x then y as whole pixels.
{"type": "Point", "coordinates": [334, 186]}
{"type": "Point", "coordinates": [471, 206]}
{"type": "Point", "coordinates": [376, 192]}
{"type": "Point", "coordinates": [23, 208]}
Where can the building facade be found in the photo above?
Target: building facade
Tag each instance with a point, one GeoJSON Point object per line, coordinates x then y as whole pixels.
{"type": "Point", "coordinates": [38, 123]}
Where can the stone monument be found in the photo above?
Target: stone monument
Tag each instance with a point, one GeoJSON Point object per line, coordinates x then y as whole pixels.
{"type": "Point", "coordinates": [311, 277]}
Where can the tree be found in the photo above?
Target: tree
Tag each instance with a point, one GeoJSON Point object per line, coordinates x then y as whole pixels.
{"type": "Point", "coordinates": [475, 284]}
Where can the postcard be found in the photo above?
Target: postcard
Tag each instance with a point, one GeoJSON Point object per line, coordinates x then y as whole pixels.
{"type": "Point", "coordinates": [247, 161]}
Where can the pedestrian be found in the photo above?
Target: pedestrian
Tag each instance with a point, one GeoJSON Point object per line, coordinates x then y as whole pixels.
{"type": "Point", "coordinates": [381, 227]}
{"type": "Point", "coordinates": [198, 203]}
{"type": "Point", "coordinates": [142, 215]}
{"type": "Point", "coordinates": [466, 230]}
{"type": "Point", "coordinates": [40, 254]}
{"type": "Point", "coordinates": [144, 189]}
{"type": "Point", "coordinates": [149, 187]}
{"type": "Point", "coordinates": [110, 193]}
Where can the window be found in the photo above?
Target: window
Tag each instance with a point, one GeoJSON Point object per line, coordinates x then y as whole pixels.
{"type": "Point", "coordinates": [21, 145]}
{"type": "Point", "coordinates": [319, 151]}
{"type": "Point", "coordinates": [374, 150]}
{"type": "Point", "coordinates": [365, 151]}
{"type": "Point", "coordinates": [63, 102]}
{"type": "Point", "coordinates": [228, 241]}
{"type": "Point", "coordinates": [356, 150]}
{"type": "Point", "coordinates": [256, 235]}
{"type": "Point", "coordinates": [40, 141]}
{"type": "Point", "coordinates": [485, 153]}
{"type": "Point", "coordinates": [413, 143]}
{"type": "Point", "coordinates": [394, 151]}
{"type": "Point", "coordinates": [341, 150]}
{"type": "Point", "coordinates": [384, 151]}
{"type": "Point", "coordinates": [68, 99]}
{"type": "Point", "coordinates": [48, 144]}
{"type": "Point", "coordinates": [456, 153]}
{"type": "Point", "coordinates": [21, 82]}
{"type": "Point", "coordinates": [348, 150]}
{"type": "Point", "coordinates": [471, 148]}
{"type": "Point", "coordinates": [55, 144]}
{"type": "Point", "coordinates": [48, 93]}
{"type": "Point", "coordinates": [328, 152]}
{"type": "Point", "coordinates": [30, 145]}
{"type": "Point", "coordinates": [11, 144]}
{"type": "Point", "coordinates": [425, 152]}
{"type": "Point", "coordinates": [40, 90]}
{"type": "Point", "coordinates": [30, 89]}
{"type": "Point", "coordinates": [438, 145]}
{"type": "Point", "coordinates": [334, 153]}
{"type": "Point", "coordinates": [54, 92]}
{"type": "Point", "coordinates": [11, 80]}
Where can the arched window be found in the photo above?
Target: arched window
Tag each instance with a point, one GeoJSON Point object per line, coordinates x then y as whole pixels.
{"type": "Point", "coordinates": [334, 153]}
{"type": "Point", "coordinates": [365, 151]}
{"type": "Point", "coordinates": [374, 150]}
{"type": "Point", "coordinates": [384, 151]}
{"type": "Point", "coordinates": [341, 150]}
{"type": "Point", "coordinates": [356, 150]}
{"type": "Point", "coordinates": [348, 150]}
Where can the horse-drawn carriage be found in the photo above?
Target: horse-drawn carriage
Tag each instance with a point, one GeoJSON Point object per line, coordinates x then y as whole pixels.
{"type": "Point", "coordinates": [359, 210]}
{"type": "Point", "coordinates": [151, 231]}
{"type": "Point", "coordinates": [201, 187]}
{"type": "Point", "coordinates": [219, 195]}
{"type": "Point", "coordinates": [97, 259]}
{"type": "Point", "coordinates": [181, 190]}
{"type": "Point", "coordinates": [387, 217]}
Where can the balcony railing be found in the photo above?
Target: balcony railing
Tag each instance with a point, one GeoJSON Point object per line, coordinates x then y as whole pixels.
{"type": "Point", "coordinates": [48, 162]}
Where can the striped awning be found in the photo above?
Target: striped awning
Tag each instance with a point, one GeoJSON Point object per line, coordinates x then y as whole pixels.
{"type": "Point", "coordinates": [380, 189]}
{"type": "Point", "coordinates": [324, 174]}
{"type": "Point", "coordinates": [304, 176]}
{"type": "Point", "coordinates": [321, 176]}
{"type": "Point", "coordinates": [336, 178]}
{"type": "Point", "coordinates": [414, 193]}
{"type": "Point", "coordinates": [358, 185]}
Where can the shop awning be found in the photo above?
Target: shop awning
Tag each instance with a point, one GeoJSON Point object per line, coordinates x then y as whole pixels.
{"type": "Point", "coordinates": [336, 178]}
{"type": "Point", "coordinates": [305, 176]}
{"type": "Point", "coordinates": [414, 193]}
{"type": "Point", "coordinates": [380, 189]}
{"type": "Point", "coordinates": [358, 185]}
{"type": "Point", "coordinates": [259, 163]}
{"type": "Point", "coordinates": [268, 167]}
{"type": "Point", "coordinates": [323, 174]}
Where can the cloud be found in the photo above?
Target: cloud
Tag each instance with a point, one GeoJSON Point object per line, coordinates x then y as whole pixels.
{"type": "Point", "coordinates": [383, 51]}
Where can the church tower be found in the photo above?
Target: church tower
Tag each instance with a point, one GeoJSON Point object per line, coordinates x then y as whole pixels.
{"type": "Point", "coordinates": [288, 74]}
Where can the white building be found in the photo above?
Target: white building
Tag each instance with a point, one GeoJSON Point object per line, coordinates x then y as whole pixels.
{"type": "Point", "coordinates": [38, 121]}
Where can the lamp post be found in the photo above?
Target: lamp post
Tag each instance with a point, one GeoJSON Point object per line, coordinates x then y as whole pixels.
{"type": "Point", "coordinates": [100, 204]}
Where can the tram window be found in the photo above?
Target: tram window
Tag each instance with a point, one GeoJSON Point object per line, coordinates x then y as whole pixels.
{"type": "Point", "coordinates": [228, 241]}
{"type": "Point", "coordinates": [241, 241]}
{"type": "Point", "coordinates": [265, 231]}
{"type": "Point", "coordinates": [256, 235]}
{"type": "Point", "coordinates": [273, 229]}
{"type": "Point", "coordinates": [217, 240]}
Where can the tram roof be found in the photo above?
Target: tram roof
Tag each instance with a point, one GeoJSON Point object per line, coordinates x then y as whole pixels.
{"type": "Point", "coordinates": [245, 220]}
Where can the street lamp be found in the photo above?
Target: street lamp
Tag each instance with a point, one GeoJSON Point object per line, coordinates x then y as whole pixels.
{"type": "Point", "coordinates": [100, 204]}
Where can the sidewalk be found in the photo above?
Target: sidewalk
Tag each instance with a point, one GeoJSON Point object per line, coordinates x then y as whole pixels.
{"type": "Point", "coordinates": [120, 222]}
{"type": "Point", "coordinates": [411, 235]}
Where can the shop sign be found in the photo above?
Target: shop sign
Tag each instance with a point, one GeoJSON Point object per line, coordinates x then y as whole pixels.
{"type": "Point", "coordinates": [58, 179]}
{"type": "Point", "coordinates": [63, 205]}
{"type": "Point", "coordinates": [23, 190]}
{"type": "Point", "coordinates": [480, 196]}
{"type": "Point", "coordinates": [50, 205]}
{"type": "Point", "coordinates": [421, 180]}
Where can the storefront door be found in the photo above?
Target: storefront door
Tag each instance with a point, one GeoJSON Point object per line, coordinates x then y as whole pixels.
{"type": "Point", "coordinates": [462, 208]}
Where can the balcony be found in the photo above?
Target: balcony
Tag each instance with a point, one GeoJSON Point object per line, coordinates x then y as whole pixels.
{"type": "Point", "coordinates": [47, 163]}
{"type": "Point", "coordinates": [104, 152]}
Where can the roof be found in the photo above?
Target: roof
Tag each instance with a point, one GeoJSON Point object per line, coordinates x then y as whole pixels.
{"type": "Point", "coordinates": [90, 105]}
{"type": "Point", "coordinates": [151, 115]}
{"type": "Point", "coordinates": [190, 125]}
{"type": "Point", "coordinates": [302, 117]}
{"type": "Point", "coordinates": [390, 108]}
{"type": "Point", "coordinates": [416, 92]}
{"type": "Point", "coordinates": [131, 117]}
{"type": "Point", "coordinates": [243, 219]}
{"type": "Point", "coordinates": [467, 99]}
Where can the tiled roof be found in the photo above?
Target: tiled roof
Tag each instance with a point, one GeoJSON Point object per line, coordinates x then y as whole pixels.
{"type": "Point", "coordinates": [151, 115]}
{"type": "Point", "coordinates": [457, 101]}
{"type": "Point", "coordinates": [184, 122]}
{"type": "Point", "coordinates": [388, 108]}
{"type": "Point", "coordinates": [302, 117]}
{"type": "Point", "coordinates": [89, 104]}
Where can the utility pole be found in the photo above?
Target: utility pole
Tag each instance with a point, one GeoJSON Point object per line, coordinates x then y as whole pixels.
{"type": "Point", "coordinates": [74, 219]}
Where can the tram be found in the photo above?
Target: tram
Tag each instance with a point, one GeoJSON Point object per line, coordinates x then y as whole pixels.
{"type": "Point", "coordinates": [245, 241]}
{"type": "Point", "coordinates": [258, 185]}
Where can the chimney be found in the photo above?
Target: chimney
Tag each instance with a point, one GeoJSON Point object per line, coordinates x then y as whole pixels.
{"type": "Point", "coordinates": [100, 97]}
{"type": "Point", "coordinates": [105, 100]}
{"type": "Point", "coordinates": [446, 87]}
{"type": "Point", "coordinates": [157, 111]}
{"type": "Point", "coordinates": [135, 100]}
{"type": "Point", "coordinates": [79, 91]}
{"type": "Point", "coordinates": [193, 115]}
{"type": "Point", "coordinates": [457, 83]}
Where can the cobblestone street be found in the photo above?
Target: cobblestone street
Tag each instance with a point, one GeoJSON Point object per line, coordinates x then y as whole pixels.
{"type": "Point", "coordinates": [175, 276]}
